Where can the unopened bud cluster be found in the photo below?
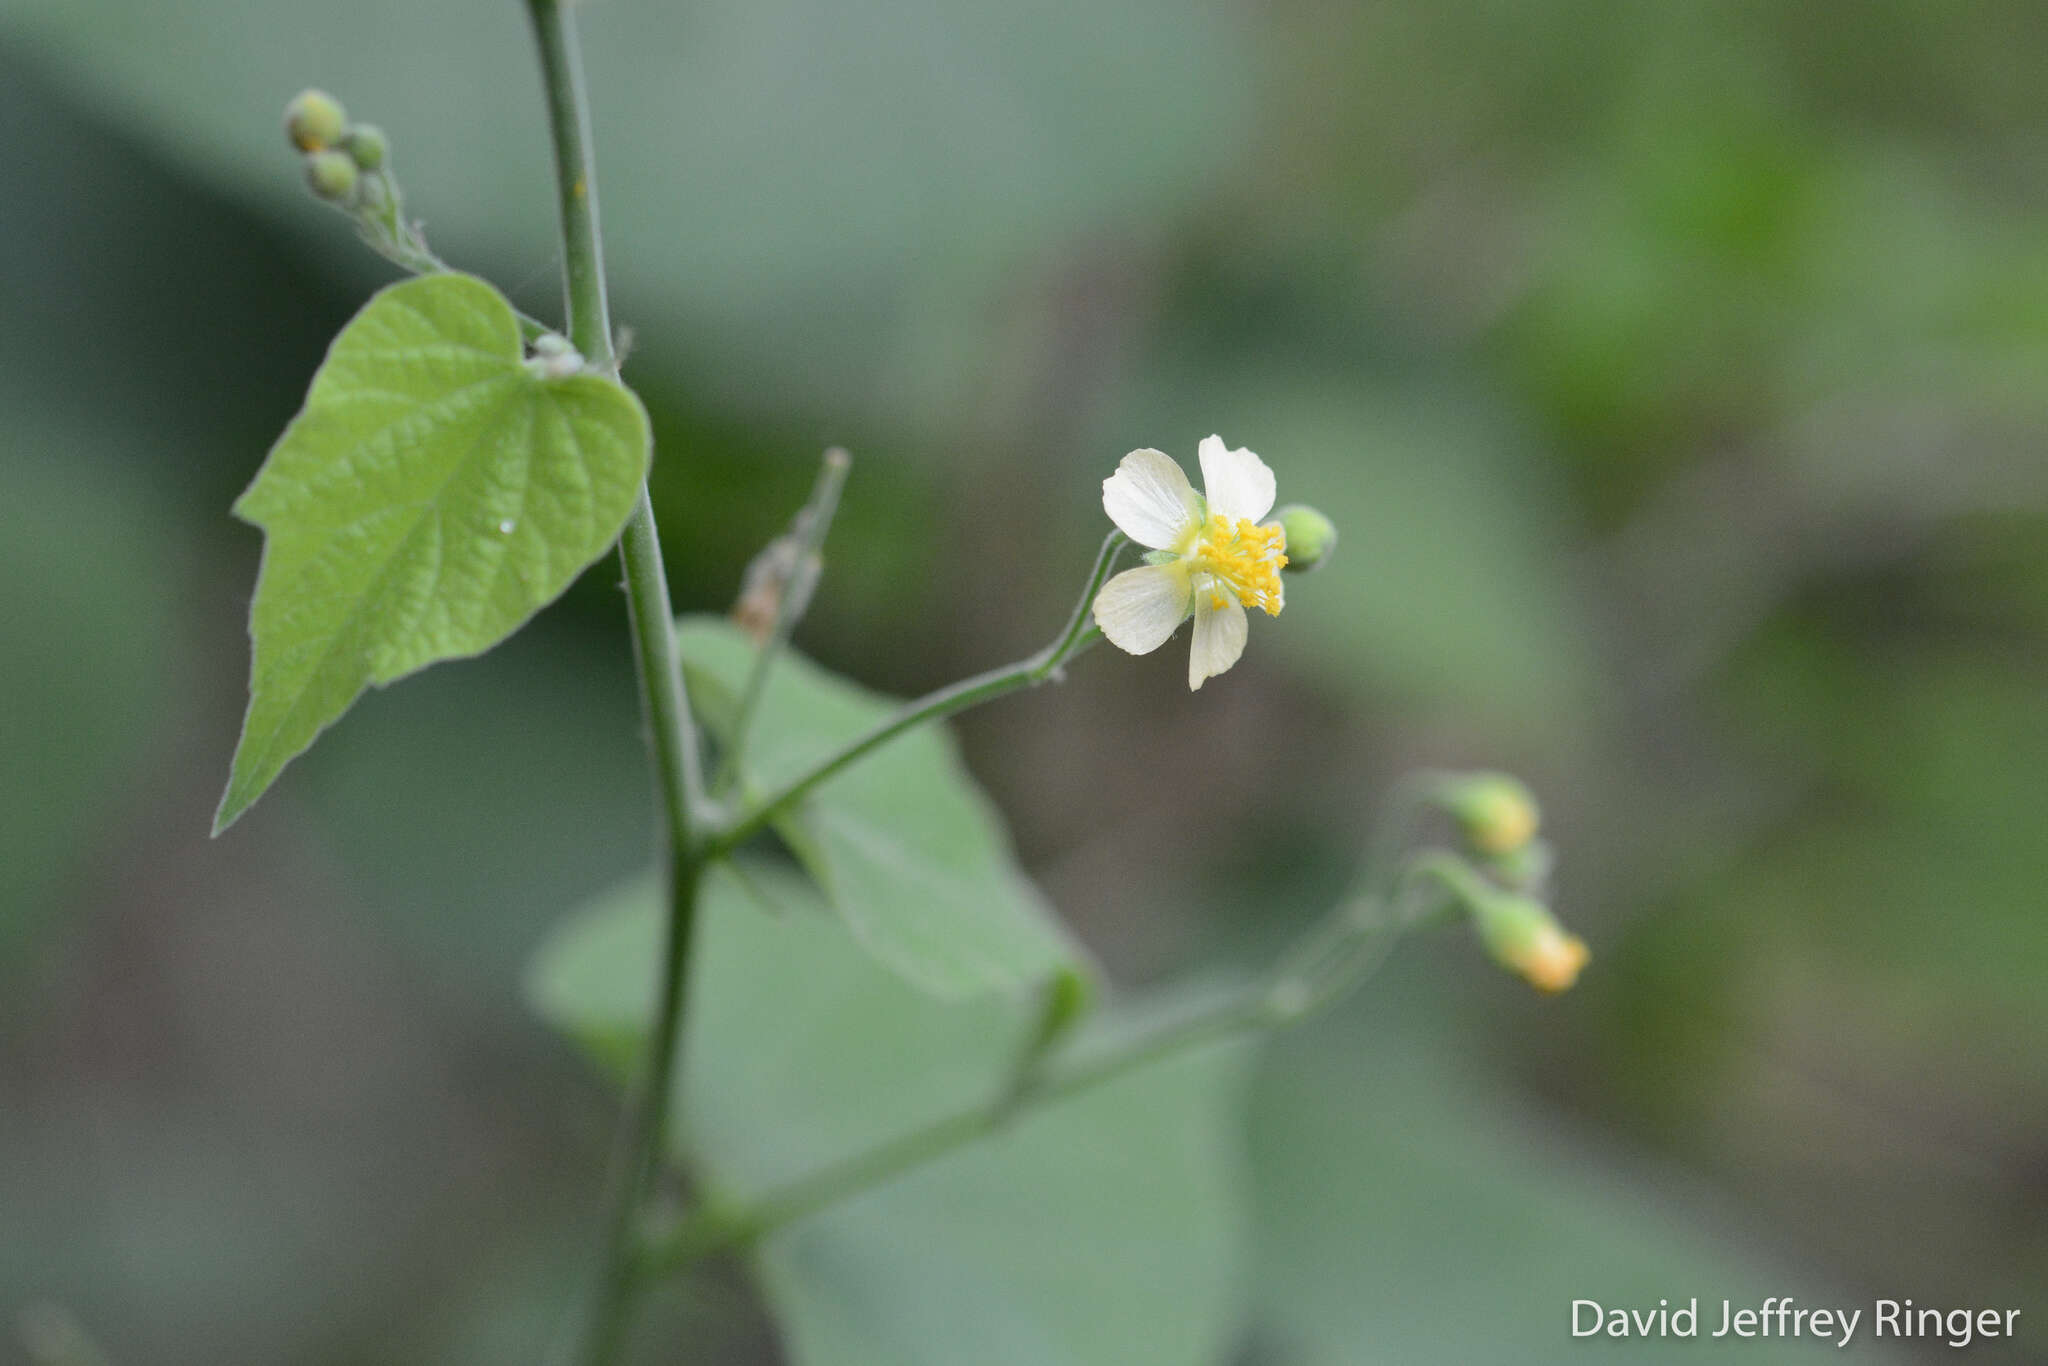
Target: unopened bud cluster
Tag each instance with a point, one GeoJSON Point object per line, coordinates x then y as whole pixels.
{"type": "Point", "coordinates": [1497, 820]}
{"type": "Point", "coordinates": [343, 160]}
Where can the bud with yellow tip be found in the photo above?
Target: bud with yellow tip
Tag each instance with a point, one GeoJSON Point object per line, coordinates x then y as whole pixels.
{"type": "Point", "coordinates": [1495, 813]}
{"type": "Point", "coordinates": [315, 121]}
{"type": "Point", "coordinates": [1555, 960]}
{"type": "Point", "coordinates": [1523, 936]}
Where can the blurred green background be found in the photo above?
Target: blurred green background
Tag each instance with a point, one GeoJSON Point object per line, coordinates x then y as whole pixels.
{"type": "Point", "coordinates": [1678, 375]}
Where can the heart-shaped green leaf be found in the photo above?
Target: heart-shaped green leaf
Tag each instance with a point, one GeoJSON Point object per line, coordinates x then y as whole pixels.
{"type": "Point", "coordinates": [904, 844]}
{"type": "Point", "coordinates": [1099, 1230]}
{"type": "Point", "coordinates": [433, 494]}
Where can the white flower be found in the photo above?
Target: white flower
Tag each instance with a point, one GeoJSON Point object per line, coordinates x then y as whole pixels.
{"type": "Point", "coordinates": [1211, 554]}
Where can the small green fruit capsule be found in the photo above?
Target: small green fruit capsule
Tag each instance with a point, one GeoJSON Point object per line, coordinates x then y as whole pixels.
{"type": "Point", "coordinates": [332, 175]}
{"type": "Point", "coordinates": [366, 144]}
{"type": "Point", "coordinates": [1310, 537]}
{"type": "Point", "coordinates": [314, 121]}
{"type": "Point", "coordinates": [1495, 813]}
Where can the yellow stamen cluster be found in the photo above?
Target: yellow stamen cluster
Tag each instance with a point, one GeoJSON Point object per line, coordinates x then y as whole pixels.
{"type": "Point", "coordinates": [1245, 558]}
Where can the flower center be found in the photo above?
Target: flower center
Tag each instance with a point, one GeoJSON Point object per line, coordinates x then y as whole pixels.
{"type": "Point", "coordinates": [1244, 558]}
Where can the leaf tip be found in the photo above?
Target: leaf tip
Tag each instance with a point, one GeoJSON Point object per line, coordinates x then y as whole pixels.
{"type": "Point", "coordinates": [232, 805]}
{"type": "Point", "coordinates": [242, 791]}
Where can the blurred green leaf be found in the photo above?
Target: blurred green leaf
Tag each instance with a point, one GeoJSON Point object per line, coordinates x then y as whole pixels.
{"type": "Point", "coordinates": [904, 844]}
{"type": "Point", "coordinates": [824, 194]}
{"type": "Point", "coordinates": [471, 805]}
{"type": "Point", "coordinates": [1448, 584]}
{"type": "Point", "coordinates": [432, 495]}
{"type": "Point", "coordinates": [1100, 1231]}
{"type": "Point", "coordinates": [593, 978]}
{"type": "Point", "coordinates": [1407, 1214]}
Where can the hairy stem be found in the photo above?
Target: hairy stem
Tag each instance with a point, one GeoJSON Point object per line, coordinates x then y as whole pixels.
{"type": "Point", "coordinates": [419, 260]}
{"type": "Point", "coordinates": [672, 731]}
{"type": "Point", "coordinates": [955, 697]}
{"type": "Point", "coordinates": [383, 227]}
{"type": "Point", "coordinates": [1349, 946]}
{"type": "Point", "coordinates": [716, 1230]}
{"type": "Point", "coordinates": [642, 1138]}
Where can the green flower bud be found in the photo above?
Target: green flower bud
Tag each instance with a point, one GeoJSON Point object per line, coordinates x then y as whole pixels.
{"type": "Point", "coordinates": [1523, 936]}
{"type": "Point", "coordinates": [366, 144]}
{"type": "Point", "coordinates": [332, 175]}
{"type": "Point", "coordinates": [1495, 813]}
{"type": "Point", "coordinates": [1310, 537]}
{"type": "Point", "coordinates": [314, 121]}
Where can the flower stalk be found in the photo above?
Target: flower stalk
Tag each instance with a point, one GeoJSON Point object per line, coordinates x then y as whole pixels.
{"type": "Point", "coordinates": [1076, 636]}
{"type": "Point", "coordinates": [1336, 955]}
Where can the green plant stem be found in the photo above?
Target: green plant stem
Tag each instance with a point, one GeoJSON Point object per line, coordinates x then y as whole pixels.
{"type": "Point", "coordinates": [590, 330]}
{"type": "Point", "coordinates": [531, 329]}
{"type": "Point", "coordinates": [712, 1229]}
{"type": "Point", "coordinates": [384, 229]}
{"type": "Point", "coordinates": [1343, 950]}
{"type": "Point", "coordinates": [1078, 635]}
{"type": "Point", "coordinates": [715, 1230]}
{"type": "Point", "coordinates": [642, 1138]}
{"type": "Point", "coordinates": [673, 733]}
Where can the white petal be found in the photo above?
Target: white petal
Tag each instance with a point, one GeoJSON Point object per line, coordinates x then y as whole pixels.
{"type": "Point", "coordinates": [1219, 636]}
{"type": "Point", "coordinates": [1140, 608]}
{"type": "Point", "coordinates": [1150, 500]}
{"type": "Point", "coordinates": [1237, 482]}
